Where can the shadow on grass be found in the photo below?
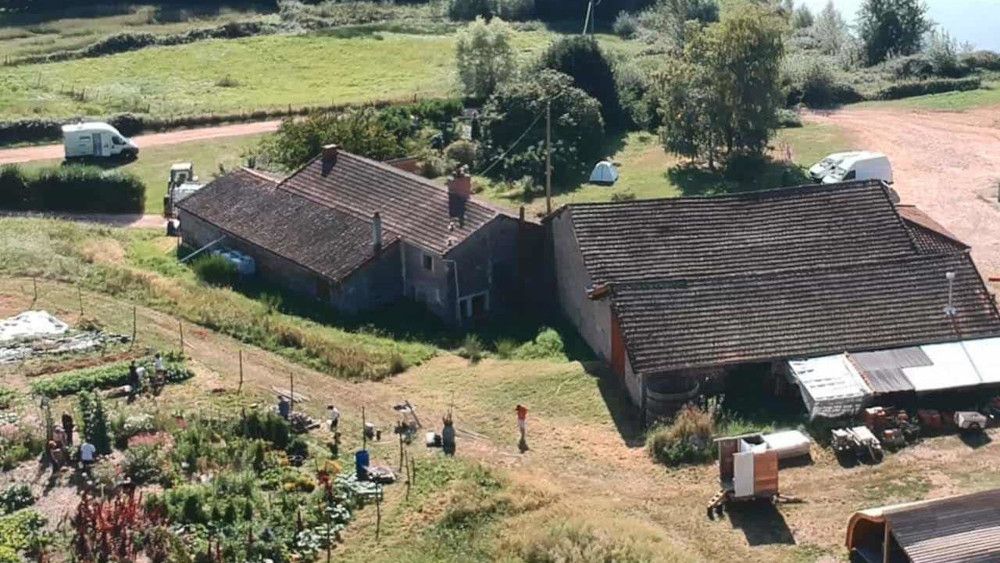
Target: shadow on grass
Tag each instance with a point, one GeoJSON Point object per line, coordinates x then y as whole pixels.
{"type": "Point", "coordinates": [623, 413]}
{"type": "Point", "coordinates": [746, 176]}
{"type": "Point", "coordinates": [975, 440]}
{"type": "Point", "coordinates": [407, 320]}
{"type": "Point", "coordinates": [761, 522]}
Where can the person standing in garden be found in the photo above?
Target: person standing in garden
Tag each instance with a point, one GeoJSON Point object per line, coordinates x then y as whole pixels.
{"type": "Point", "coordinates": [67, 425]}
{"type": "Point", "coordinates": [522, 424]}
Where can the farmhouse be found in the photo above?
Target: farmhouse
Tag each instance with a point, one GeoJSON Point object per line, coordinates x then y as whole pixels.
{"type": "Point", "coordinates": [360, 234]}
{"type": "Point", "coordinates": [682, 295]}
{"type": "Point", "coordinates": [959, 528]}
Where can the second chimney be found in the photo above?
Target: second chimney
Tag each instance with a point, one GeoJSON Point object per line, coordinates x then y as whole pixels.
{"type": "Point", "coordinates": [376, 232]}
{"type": "Point", "coordinates": [460, 185]}
{"type": "Point", "coordinates": [330, 153]}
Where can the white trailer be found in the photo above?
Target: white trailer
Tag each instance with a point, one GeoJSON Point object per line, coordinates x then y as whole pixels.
{"type": "Point", "coordinates": [96, 140]}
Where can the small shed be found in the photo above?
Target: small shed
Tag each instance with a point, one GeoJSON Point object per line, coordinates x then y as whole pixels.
{"type": "Point", "coordinates": [604, 174]}
{"type": "Point", "coordinates": [959, 528]}
{"type": "Point", "coordinates": [747, 467]}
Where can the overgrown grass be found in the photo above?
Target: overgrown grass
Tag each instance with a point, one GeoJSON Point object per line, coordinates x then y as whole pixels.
{"type": "Point", "coordinates": [90, 256]}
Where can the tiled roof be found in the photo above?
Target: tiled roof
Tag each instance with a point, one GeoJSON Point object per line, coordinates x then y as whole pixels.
{"type": "Point", "coordinates": [929, 235]}
{"type": "Point", "coordinates": [793, 272]}
{"type": "Point", "coordinates": [685, 323]}
{"type": "Point", "coordinates": [249, 206]}
{"type": "Point", "coordinates": [703, 236]}
{"type": "Point", "coordinates": [419, 210]}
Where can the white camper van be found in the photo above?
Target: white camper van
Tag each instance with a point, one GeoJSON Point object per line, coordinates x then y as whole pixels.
{"type": "Point", "coordinates": [823, 167]}
{"type": "Point", "coordinates": [96, 139]}
{"type": "Point", "coordinates": [863, 166]}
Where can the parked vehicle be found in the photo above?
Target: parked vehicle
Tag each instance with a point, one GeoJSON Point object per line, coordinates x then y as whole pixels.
{"type": "Point", "coordinates": [181, 184]}
{"type": "Point", "coordinates": [970, 421]}
{"type": "Point", "coordinates": [823, 167]}
{"type": "Point", "coordinates": [96, 140]}
{"type": "Point", "coordinates": [863, 166]}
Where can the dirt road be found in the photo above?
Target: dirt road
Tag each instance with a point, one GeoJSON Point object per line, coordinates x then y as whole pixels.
{"type": "Point", "coordinates": [946, 163]}
{"type": "Point", "coordinates": [28, 154]}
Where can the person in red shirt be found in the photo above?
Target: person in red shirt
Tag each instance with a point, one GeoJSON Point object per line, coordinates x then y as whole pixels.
{"type": "Point", "coordinates": [522, 418]}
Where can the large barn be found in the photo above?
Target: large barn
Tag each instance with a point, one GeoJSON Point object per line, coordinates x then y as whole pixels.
{"type": "Point", "coordinates": [359, 234]}
{"type": "Point", "coordinates": [677, 295]}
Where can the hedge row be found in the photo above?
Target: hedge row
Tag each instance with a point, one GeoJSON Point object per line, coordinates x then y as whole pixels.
{"type": "Point", "coordinates": [40, 130]}
{"type": "Point", "coordinates": [922, 87]}
{"type": "Point", "coordinates": [133, 41]}
{"type": "Point", "coordinates": [76, 189]}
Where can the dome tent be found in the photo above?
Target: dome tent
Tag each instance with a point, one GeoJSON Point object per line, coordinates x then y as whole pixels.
{"type": "Point", "coordinates": [604, 174]}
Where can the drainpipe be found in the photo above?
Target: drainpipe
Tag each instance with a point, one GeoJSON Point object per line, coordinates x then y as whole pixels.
{"type": "Point", "coordinates": [454, 269]}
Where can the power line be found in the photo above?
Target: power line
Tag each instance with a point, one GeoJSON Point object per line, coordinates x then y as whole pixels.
{"type": "Point", "coordinates": [521, 136]}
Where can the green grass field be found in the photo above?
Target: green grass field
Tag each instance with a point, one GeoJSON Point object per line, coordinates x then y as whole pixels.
{"type": "Point", "coordinates": [988, 95]}
{"type": "Point", "coordinates": [224, 76]}
{"type": "Point", "coordinates": [153, 165]}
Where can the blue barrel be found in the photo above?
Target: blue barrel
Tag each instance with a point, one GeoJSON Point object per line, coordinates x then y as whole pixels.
{"type": "Point", "coordinates": [361, 460]}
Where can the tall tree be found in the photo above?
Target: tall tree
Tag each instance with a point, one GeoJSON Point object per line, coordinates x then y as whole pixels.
{"type": "Point", "coordinates": [802, 18]}
{"type": "Point", "coordinates": [830, 30]}
{"type": "Point", "coordinates": [892, 27]}
{"type": "Point", "coordinates": [723, 96]}
{"type": "Point", "coordinates": [484, 56]}
{"type": "Point", "coordinates": [581, 58]}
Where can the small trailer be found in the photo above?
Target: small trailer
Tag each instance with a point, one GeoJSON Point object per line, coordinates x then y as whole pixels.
{"type": "Point", "coordinates": [970, 421]}
{"type": "Point", "coordinates": [858, 441]}
{"type": "Point", "coordinates": [747, 472]}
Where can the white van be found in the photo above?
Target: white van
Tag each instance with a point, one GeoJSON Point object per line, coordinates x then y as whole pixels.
{"type": "Point", "coordinates": [823, 167]}
{"type": "Point", "coordinates": [864, 166]}
{"type": "Point", "coordinates": [96, 139]}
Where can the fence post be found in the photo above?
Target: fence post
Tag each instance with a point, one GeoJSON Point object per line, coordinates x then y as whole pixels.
{"type": "Point", "coordinates": [180, 328]}
{"type": "Point", "coordinates": [79, 296]}
{"type": "Point", "coordinates": [364, 430]}
{"type": "Point", "coordinates": [291, 392]}
{"type": "Point", "coordinates": [34, 285]}
{"type": "Point", "coordinates": [240, 388]}
{"type": "Point", "coordinates": [134, 325]}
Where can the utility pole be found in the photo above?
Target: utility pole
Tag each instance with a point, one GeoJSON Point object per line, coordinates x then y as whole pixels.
{"type": "Point", "coordinates": [548, 157]}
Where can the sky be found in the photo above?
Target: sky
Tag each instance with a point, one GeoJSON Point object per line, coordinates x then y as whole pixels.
{"type": "Point", "coordinates": [975, 21]}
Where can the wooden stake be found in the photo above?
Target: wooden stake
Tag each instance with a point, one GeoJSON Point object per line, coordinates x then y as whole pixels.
{"type": "Point", "coordinates": [378, 513]}
{"type": "Point", "coordinates": [291, 391]}
{"type": "Point", "coordinates": [79, 296]}
{"type": "Point", "coordinates": [180, 328]}
{"type": "Point", "coordinates": [364, 430]}
{"type": "Point", "coordinates": [34, 284]}
{"type": "Point", "coordinates": [401, 450]}
{"type": "Point", "coordinates": [240, 388]}
{"type": "Point", "coordinates": [135, 325]}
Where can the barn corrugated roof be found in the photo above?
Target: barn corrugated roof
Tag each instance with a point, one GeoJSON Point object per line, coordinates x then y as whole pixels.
{"type": "Point", "coordinates": [793, 272]}
{"type": "Point", "coordinates": [964, 528]}
{"type": "Point", "coordinates": [420, 211]}
{"type": "Point", "coordinates": [248, 205]}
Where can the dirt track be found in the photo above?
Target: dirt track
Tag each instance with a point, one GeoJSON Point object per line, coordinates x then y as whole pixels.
{"type": "Point", "coordinates": [28, 154]}
{"type": "Point", "coordinates": [948, 164]}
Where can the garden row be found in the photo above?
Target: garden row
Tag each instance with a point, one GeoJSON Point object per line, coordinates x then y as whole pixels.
{"type": "Point", "coordinates": [107, 377]}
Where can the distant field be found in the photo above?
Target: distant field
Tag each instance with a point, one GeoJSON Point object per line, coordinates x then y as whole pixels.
{"type": "Point", "coordinates": [224, 76]}
{"type": "Point", "coordinates": [153, 165]}
{"type": "Point", "coordinates": [25, 36]}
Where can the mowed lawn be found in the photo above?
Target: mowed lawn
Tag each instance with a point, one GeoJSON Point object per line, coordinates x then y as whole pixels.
{"type": "Point", "coordinates": [209, 157]}
{"type": "Point", "coordinates": [988, 95]}
{"type": "Point", "coordinates": [647, 171]}
{"type": "Point", "coordinates": [229, 76]}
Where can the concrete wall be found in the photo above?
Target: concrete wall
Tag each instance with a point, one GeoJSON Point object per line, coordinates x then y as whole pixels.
{"type": "Point", "coordinates": [591, 318]}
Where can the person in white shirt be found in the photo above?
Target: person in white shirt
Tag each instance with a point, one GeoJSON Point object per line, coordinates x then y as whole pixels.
{"type": "Point", "coordinates": [334, 417]}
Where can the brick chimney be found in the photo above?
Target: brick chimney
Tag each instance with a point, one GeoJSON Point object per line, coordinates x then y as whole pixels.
{"type": "Point", "coordinates": [330, 153]}
{"type": "Point", "coordinates": [376, 232]}
{"type": "Point", "coordinates": [460, 185]}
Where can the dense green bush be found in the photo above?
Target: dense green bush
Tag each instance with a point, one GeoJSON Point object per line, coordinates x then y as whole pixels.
{"type": "Point", "coordinates": [546, 345]}
{"type": "Point", "coordinates": [143, 464]}
{"type": "Point", "coordinates": [468, 10]}
{"type": "Point", "coordinates": [789, 118]}
{"type": "Point", "coordinates": [811, 82]}
{"type": "Point", "coordinates": [686, 439]}
{"type": "Point", "coordinates": [71, 189]}
{"type": "Point", "coordinates": [462, 152]}
{"type": "Point", "coordinates": [981, 60]}
{"type": "Point", "coordinates": [923, 87]}
{"type": "Point", "coordinates": [19, 531]}
{"type": "Point", "coordinates": [95, 421]}
{"type": "Point", "coordinates": [626, 25]}
{"type": "Point", "coordinates": [266, 425]}
{"type": "Point", "coordinates": [215, 269]}
{"type": "Point", "coordinates": [582, 59]}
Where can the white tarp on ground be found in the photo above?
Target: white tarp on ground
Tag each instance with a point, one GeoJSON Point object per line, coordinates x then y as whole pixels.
{"type": "Point", "coordinates": [830, 386]}
{"type": "Point", "coordinates": [31, 324]}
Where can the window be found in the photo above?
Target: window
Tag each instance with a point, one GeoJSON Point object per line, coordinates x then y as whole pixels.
{"type": "Point", "coordinates": [851, 175]}
{"type": "Point", "coordinates": [428, 262]}
{"type": "Point", "coordinates": [117, 140]}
